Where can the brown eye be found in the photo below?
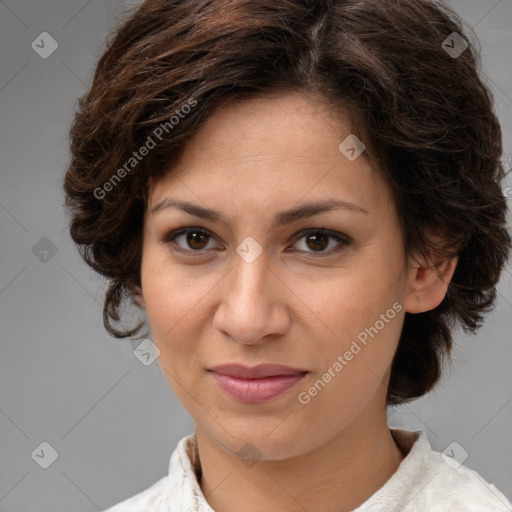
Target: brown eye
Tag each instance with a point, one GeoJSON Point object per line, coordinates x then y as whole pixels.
{"type": "Point", "coordinates": [315, 241]}
{"type": "Point", "coordinates": [196, 239]}
{"type": "Point", "coordinates": [318, 240]}
{"type": "Point", "coordinates": [189, 239]}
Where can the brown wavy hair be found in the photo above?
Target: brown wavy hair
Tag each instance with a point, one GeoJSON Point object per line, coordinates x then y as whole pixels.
{"type": "Point", "coordinates": [425, 116]}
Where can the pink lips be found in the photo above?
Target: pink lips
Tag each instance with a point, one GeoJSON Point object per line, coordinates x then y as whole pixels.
{"type": "Point", "coordinates": [257, 384]}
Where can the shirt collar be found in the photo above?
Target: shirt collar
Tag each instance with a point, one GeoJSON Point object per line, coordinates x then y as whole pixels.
{"type": "Point", "coordinates": [184, 492]}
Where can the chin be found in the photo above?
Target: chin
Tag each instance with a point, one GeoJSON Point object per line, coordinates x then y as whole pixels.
{"type": "Point", "coordinates": [266, 440]}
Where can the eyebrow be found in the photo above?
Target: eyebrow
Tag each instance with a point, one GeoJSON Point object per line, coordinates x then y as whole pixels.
{"type": "Point", "coordinates": [282, 218]}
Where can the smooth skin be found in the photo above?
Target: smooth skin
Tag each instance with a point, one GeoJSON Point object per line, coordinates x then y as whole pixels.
{"type": "Point", "coordinates": [301, 303]}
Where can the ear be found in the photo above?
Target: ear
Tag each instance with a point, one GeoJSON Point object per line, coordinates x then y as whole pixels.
{"type": "Point", "coordinates": [428, 283]}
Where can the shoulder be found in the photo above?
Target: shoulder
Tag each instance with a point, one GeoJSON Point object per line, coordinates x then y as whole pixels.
{"type": "Point", "coordinates": [153, 499]}
{"type": "Point", "coordinates": [427, 480]}
{"type": "Point", "coordinates": [457, 487]}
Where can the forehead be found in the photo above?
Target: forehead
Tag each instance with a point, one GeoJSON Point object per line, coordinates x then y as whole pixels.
{"type": "Point", "coordinates": [272, 123]}
{"type": "Point", "coordinates": [272, 150]}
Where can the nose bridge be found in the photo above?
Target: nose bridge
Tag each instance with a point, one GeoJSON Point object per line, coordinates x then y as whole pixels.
{"type": "Point", "coordinates": [249, 309]}
{"type": "Point", "coordinates": [249, 280]}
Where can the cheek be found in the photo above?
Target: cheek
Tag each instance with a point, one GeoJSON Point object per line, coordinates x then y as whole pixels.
{"type": "Point", "coordinates": [354, 363]}
{"type": "Point", "coordinates": [176, 303]}
{"type": "Point", "coordinates": [166, 301]}
{"type": "Point", "coordinates": [361, 313]}
{"type": "Point", "coordinates": [353, 298]}
{"type": "Point", "coordinates": [170, 312]}
{"type": "Point", "coordinates": [170, 291]}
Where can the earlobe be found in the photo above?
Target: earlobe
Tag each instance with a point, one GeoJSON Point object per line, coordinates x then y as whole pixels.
{"type": "Point", "coordinates": [428, 285]}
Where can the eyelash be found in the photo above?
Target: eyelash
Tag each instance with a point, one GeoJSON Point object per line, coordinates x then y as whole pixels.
{"type": "Point", "coordinates": [343, 240]}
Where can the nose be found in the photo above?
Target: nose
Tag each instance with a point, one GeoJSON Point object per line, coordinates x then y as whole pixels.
{"type": "Point", "coordinates": [253, 306]}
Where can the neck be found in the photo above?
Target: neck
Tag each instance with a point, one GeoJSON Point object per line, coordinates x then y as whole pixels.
{"type": "Point", "coordinates": [337, 476]}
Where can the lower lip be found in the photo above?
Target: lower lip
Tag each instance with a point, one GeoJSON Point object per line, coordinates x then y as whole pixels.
{"type": "Point", "coordinates": [256, 390]}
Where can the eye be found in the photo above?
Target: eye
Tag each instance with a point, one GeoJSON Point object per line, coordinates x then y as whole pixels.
{"type": "Point", "coordinates": [195, 240]}
{"type": "Point", "coordinates": [318, 240]}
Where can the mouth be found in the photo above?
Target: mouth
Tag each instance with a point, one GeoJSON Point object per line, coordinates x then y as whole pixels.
{"type": "Point", "coordinates": [256, 384]}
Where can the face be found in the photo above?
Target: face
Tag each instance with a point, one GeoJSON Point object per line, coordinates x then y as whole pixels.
{"type": "Point", "coordinates": [252, 285]}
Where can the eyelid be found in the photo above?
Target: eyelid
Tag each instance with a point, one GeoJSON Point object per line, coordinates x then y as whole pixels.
{"type": "Point", "coordinates": [169, 237]}
{"type": "Point", "coordinates": [343, 239]}
{"type": "Point", "coordinates": [333, 234]}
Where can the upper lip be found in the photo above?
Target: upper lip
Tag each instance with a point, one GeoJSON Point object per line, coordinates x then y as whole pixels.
{"type": "Point", "coordinates": [255, 372]}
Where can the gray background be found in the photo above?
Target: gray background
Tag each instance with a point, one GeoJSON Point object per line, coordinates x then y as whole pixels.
{"type": "Point", "coordinates": [113, 421]}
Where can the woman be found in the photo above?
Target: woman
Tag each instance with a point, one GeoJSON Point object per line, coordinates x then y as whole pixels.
{"type": "Point", "coordinates": [304, 197]}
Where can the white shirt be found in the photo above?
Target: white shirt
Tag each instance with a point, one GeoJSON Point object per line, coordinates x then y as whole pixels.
{"type": "Point", "coordinates": [425, 481]}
